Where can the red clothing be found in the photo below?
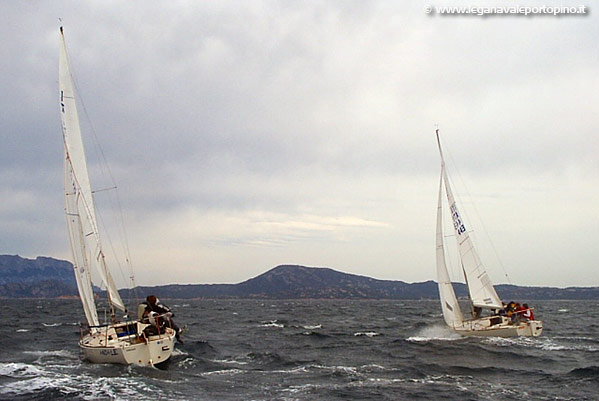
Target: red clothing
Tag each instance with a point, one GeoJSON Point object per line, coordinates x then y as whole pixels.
{"type": "Point", "coordinates": [527, 314]}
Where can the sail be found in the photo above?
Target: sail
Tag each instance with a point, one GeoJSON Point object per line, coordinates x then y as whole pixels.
{"type": "Point", "coordinates": [449, 303]}
{"type": "Point", "coordinates": [480, 288]}
{"type": "Point", "coordinates": [79, 206]}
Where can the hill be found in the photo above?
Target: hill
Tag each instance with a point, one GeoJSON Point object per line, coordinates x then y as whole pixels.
{"type": "Point", "coordinates": [48, 278]}
{"type": "Point", "coordinates": [292, 281]}
{"type": "Point", "coordinates": [35, 278]}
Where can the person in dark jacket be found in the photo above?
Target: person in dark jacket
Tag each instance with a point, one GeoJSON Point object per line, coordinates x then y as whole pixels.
{"type": "Point", "coordinates": [152, 304]}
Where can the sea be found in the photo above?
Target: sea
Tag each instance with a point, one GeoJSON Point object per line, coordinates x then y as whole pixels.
{"type": "Point", "coordinates": [306, 350]}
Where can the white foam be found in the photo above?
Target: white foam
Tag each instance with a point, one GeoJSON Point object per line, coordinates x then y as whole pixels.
{"type": "Point", "coordinates": [59, 353]}
{"type": "Point", "coordinates": [312, 327]}
{"type": "Point", "coordinates": [339, 368]}
{"type": "Point", "coordinates": [373, 366]}
{"type": "Point", "coordinates": [225, 372]}
{"type": "Point", "coordinates": [272, 323]}
{"type": "Point", "coordinates": [367, 334]}
{"type": "Point", "coordinates": [434, 333]}
{"type": "Point", "coordinates": [19, 370]}
{"type": "Point", "coordinates": [22, 330]}
{"type": "Point", "coordinates": [546, 344]}
{"type": "Point", "coordinates": [52, 324]}
{"type": "Point", "coordinates": [34, 379]}
{"type": "Point", "coordinates": [230, 361]}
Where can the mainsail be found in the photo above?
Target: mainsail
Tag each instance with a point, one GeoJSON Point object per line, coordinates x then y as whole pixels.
{"type": "Point", "coordinates": [481, 291]}
{"type": "Point", "coordinates": [82, 224]}
{"type": "Point", "coordinates": [449, 303]}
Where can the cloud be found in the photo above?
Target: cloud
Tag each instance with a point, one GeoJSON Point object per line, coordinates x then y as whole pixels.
{"type": "Point", "coordinates": [244, 135]}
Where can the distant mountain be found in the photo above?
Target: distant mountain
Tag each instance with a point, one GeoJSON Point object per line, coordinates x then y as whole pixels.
{"type": "Point", "coordinates": [289, 281]}
{"type": "Point", "coordinates": [38, 278]}
{"type": "Point", "coordinates": [47, 278]}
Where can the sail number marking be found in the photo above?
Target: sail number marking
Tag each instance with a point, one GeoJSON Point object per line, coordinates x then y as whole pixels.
{"type": "Point", "coordinates": [457, 221]}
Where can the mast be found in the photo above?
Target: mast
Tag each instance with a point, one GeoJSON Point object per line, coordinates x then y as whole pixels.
{"type": "Point", "coordinates": [82, 225]}
{"type": "Point", "coordinates": [480, 288]}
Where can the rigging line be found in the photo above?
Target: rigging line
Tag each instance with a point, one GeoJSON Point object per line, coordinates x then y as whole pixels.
{"type": "Point", "coordinates": [465, 212]}
{"type": "Point", "coordinates": [103, 189]}
{"type": "Point", "coordinates": [104, 165]}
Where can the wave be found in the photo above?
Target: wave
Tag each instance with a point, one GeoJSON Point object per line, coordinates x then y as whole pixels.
{"type": "Point", "coordinates": [266, 358]}
{"type": "Point", "coordinates": [587, 372]}
{"type": "Point", "coordinates": [19, 370]}
{"type": "Point", "coordinates": [37, 383]}
{"type": "Point", "coordinates": [52, 324]}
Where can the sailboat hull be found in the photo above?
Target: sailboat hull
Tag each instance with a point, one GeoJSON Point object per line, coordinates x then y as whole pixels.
{"type": "Point", "coordinates": [113, 344]}
{"type": "Point", "coordinates": [483, 327]}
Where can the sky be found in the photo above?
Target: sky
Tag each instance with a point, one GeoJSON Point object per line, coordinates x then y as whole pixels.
{"type": "Point", "coordinates": [247, 134]}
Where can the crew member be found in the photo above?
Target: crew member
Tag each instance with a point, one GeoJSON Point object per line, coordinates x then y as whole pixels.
{"type": "Point", "coordinates": [152, 304]}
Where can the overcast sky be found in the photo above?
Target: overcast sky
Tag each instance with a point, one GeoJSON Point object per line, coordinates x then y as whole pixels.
{"type": "Point", "coordinates": [247, 134]}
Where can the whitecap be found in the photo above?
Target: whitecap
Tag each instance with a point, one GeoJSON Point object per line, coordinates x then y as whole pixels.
{"type": "Point", "coordinates": [312, 327]}
{"type": "Point", "coordinates": [549, 345]}
{"type": "Point", "coordinates": [230, 361]}
{"type": "Point", "coordinates": [60, 353]}
{"type": "Point", "coordinates": [52, 324]}
{"type": "Point", "coordinates": [16, 369]}
{"type": "Point", "coordinates": [337, 368]}
{"type": "Point", "coordinates": [367, 334]}
{"type": "Point", "coordinates": [372, 366]}
{"type": "Point", "coordinates": [272, 323]}
{"type": "Point", "coordinates": [86, 387]}
{"type": "Point", "coordinates": [224, 372]}
{"type": "Point", "coordinates": [300, 369]}
{"type": "Point", "coordinates": [434, 333]}
{"type": "Point", "coordinates": [22, 330]}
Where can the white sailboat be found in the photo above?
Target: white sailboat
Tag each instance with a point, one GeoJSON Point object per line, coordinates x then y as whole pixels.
{"type": "Point", "coordinates": [482, 294]}
{"type": "Point", "coordinates": [128, 342]}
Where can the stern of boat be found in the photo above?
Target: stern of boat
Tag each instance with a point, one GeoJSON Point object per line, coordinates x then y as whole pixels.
{"type": "Point", "coordinates": [532, 328]}
{"type": "Point", "coordinates": [127, 344]}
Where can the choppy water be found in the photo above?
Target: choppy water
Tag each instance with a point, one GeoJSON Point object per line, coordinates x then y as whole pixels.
{"type": "Point", "coordinates": [307, 350]}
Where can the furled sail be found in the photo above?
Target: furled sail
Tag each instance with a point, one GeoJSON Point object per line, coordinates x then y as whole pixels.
{"type": "Point", "coordinates": [480, 288]}
{"type": "Point", "coordinates": [449, 303]}
{"type": "Point", "coordinates": [79, 206]}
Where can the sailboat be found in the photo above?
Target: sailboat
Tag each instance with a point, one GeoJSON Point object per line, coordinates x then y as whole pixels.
{"type": "Point", "coordinates": [482, 295]}
{"type": "Point", "coordinates": [121, 342]}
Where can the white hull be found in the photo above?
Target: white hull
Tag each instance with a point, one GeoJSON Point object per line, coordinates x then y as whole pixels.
{"type": "Point", "coordinates": [498, 326]}
{"type": "Point", "coordinates": [104, 345]}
